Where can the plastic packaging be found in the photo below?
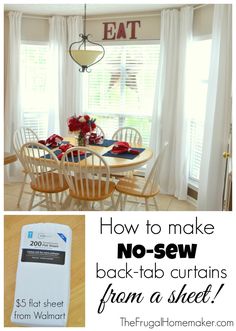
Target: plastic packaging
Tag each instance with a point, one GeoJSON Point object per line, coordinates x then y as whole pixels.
{"type": "Point", "coordinates": [42, 292]}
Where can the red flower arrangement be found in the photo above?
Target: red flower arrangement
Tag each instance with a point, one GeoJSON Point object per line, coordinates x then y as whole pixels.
{"type": "Point", "coordinates": [83, 124]}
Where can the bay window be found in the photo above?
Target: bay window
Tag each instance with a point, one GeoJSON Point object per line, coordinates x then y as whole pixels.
{"type": "Point", "coordinates": [119, 91]}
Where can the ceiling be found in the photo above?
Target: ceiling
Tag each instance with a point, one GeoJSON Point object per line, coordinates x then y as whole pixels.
{"type": "Point", "coordinates": [92, 9]}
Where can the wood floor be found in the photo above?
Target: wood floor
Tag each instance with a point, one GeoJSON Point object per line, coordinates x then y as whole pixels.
{"type": "Point", "coordinates": [165, 202]}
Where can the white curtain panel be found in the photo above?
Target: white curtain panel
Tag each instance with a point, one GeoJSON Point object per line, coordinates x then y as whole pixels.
{"type": "Point", "coordinates": [12, 118]}
{"type": "Point", "coordinates": [66, 96]}
{"type": "Point", "coordinates": [58, 61]}
{"type": "Point", "coordinates": [218, 112]}
{"type": "Point", "coordinates": [74, 91]}
{"type": "Point", "coordinates": [169, 121]}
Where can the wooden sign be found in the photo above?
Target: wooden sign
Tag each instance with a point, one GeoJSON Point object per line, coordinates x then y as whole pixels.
{"type": "Point", "coordinates": [114, 30]}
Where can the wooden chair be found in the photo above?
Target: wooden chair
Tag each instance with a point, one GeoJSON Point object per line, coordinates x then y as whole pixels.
{"type": "Point", "coordinates": [144, 188]}
{"type": "Point", "coordinates": [128, 134]}
{"type": "Point", "coordinates": [133, 137]}
{"type": "Point", "coordinates": [22, 136]}
{"type": "Point", "coordinates": [44, 170]}
{"type": "Point", "coordinates": [88, 177]}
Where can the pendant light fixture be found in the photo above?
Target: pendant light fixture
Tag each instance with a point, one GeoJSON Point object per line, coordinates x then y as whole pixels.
{"type": "Point", "coordinates": [85, 52]}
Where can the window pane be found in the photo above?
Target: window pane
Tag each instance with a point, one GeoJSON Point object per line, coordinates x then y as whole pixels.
{"type": "Point", "coordinates": [120, 89]}
{"type": "Point", "coordinates": [197, 85]}
{"type": "Point", "coordinates": [34, 87]}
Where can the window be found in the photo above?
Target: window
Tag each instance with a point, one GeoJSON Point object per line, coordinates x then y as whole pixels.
{"type": "Point", "coordinates": [196, 101]}
{"type": "Point", "coordinates": [34, 87]}
{"type": "Point", "coordinates": [120, 89]}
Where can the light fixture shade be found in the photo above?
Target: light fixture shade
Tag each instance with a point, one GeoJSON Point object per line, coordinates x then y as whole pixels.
{"type": "Point", "coordinates": [82, 56]}
{"type": "Point", "coordinates": [85, 57]}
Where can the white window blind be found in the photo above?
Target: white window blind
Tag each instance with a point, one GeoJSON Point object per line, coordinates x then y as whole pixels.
{"type": "Point", "coordinates": [120, 89]}
{"type": "Point", "coordinates": [199, 63]}
{"type": "Point", "coordinates": [34, 87]}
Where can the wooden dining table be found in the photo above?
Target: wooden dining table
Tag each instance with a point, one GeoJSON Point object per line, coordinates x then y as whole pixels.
{"type": "Point", "coordinates": [118, 164]}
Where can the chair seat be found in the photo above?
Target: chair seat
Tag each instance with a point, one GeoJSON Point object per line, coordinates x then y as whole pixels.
{"type": "Point", "coordinates": [134, 186]}
{"type": "Point", "coordinates": [88, 194]}
{"type": "Point", "coordinates": [54, 178]}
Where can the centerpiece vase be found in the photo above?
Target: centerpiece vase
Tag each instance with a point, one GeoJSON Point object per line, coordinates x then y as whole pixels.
{"type": "Point", "coordinates": [81, 139]}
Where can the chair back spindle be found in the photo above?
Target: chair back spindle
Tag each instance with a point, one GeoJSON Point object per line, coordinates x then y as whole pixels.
{"type": "Point", "coordinates": [128, 134]}
{"type": "Point", "coordinates": [43, 167]}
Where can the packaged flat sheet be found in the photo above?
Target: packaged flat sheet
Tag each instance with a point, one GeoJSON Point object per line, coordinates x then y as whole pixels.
{"type": "Point", "coordinates": [42, 292]}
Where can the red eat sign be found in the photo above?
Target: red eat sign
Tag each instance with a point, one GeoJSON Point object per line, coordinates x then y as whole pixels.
{"type": "Point", "coordinates": [111, 33]}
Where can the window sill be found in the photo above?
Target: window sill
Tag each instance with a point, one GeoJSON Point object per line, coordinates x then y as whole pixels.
{"type": "Point", "coordinates": [193, 189]}
{"type": "Point", "coordinates": [193, 184]}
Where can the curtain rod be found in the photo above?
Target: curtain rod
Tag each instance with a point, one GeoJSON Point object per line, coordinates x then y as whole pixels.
{"type": "Point", "coordinates": [36, 17]}
{"type": "Point", "coordinates": [138, 15]}
{"type": "Point", "coordinates": [109, 17]}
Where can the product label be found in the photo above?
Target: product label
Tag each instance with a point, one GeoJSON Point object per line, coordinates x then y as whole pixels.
{"type": "Point", "coordinates": [43, 256]}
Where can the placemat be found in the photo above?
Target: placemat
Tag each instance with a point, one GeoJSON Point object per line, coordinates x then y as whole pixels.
{"type": "Point", "coordinates": [106, 143]}
{"type": "Point", "coordinates": [126, 155]}
{"type": "Point", "coordinates": [76, 159]}
{"type": "Point", "coordinates": [47, 156]}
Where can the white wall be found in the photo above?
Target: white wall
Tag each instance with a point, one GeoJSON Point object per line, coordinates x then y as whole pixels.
{"type": "Point", "coordinates": [35, 29]}
{"type": "Point", "coordinates": [202, 21]}
{"type": "Point", "coordinates": [38, 29]}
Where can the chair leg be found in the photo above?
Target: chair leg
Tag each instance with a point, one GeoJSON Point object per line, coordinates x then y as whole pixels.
{"type": "Point", "coordinates": [113, 205]}
{"type": "Point", "coordinates": [102, 205]}
{"type": "Point", "coordinates": [125, 199]}
{"type": "Point", "coordinates": [31, 200]}
{"type": "Point", "coordinates": [67, 202]}
{"type": "Point", "coordinates": [155, 202]}
{"type": "Point", "coordinates": [72, 204]}
{"type": "Point", "coordinates": [121, 202]}
{"type": "Point", "coordinates": [118, 201]}
{"type": "Point", "coordinates": [57, 202]}
{"type": "Point", "coordinates": [84, 205]}
{"type": "Point", "coordinates": [21, 190]}
{"type": "Point", "coordinates": [47, 203]}
{"type": "Point", "coordinates": [146, 204]}
{"type": "Point", "coordinates": [50, 201]}
{"type": "Point", "coordinates": [61, 197]}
